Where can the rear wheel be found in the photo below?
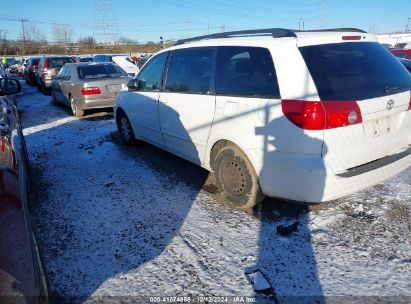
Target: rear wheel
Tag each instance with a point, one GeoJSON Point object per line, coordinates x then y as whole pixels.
{"type": "Point", "coordinates": [74, 108]}
{"type": "Point", "coordinates": [236, 177]}
{"type": "Point", "coordinates": [125, 129]}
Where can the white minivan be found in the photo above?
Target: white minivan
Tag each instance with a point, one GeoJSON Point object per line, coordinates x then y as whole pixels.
{"type": "Point", "coordinates": [309, 116]}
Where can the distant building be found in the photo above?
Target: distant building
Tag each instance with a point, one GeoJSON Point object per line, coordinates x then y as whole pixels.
{"type": "Point", "coordinates": [395, 39]}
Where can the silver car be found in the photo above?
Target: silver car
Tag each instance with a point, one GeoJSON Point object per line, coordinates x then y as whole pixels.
{"type": "Point", "coordinates": [88, 85]}
{"type": "Point", "coordinates": [48, 67]}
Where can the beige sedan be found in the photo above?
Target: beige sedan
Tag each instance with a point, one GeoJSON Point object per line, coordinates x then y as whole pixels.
{"type": "Point", "coordinates": [88, 86]}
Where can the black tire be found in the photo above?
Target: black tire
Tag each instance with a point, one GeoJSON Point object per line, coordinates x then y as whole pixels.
{"type": "Point", "coordinates": [125, 129]}
{"type": "Point", "coordinates": [236, 177]}
{"type": "Point", "coordinates": [44, 90]}
{"type": "Point", "coordinates": [75, 109]}
{"type": "Point", "coordinates": [53, 99]}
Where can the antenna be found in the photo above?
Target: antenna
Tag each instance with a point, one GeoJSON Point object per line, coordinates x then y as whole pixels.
{"type": "Point", "coordinates": [105, 23]}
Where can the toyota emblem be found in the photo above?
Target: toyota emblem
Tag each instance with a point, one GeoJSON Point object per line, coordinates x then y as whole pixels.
{"type": "Point", "coordinates": [390, 104]}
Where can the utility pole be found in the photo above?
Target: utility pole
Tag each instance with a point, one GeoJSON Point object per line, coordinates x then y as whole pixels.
{"type": "Point", "coordinates": [301, 24]}
{"type": "Point", "coordinates": [24, 35]}
{"type": "Point", "coordinates": [323, 13]}
{"type": "Point", "coordinates": [407, 26]}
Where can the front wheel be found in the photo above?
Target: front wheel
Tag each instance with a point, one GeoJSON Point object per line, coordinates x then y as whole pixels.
{"type": "Point", "coordinates": [125, 129]}
{"type": "Point", "coordinates": [74, 108]}
{"type": "Point", "coordinates": [236, 178]}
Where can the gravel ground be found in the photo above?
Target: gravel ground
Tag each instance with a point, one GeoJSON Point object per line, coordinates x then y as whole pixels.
{"type": "Point", "coordinates": [117, 221]}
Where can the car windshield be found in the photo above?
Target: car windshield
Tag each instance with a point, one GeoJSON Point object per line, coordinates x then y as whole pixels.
{"type": "Point", "coordinates": [100, 71]}
{"type": "Point", "coordinates": [58, 62]}
{"type": "Point", "coordinates": [355, 71]}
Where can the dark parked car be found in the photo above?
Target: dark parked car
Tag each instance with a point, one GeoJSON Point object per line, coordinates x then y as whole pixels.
{"type": "Point", "coordinates": [406, 63]}
{"type": "Point", "coordinates": [3, 71]}
{"type": "Point", "coordinates": [22, 278]}
{"type": "Point", "coordinates": [402, 53]}
{"type": "Point", "coordinates": [30, 70]}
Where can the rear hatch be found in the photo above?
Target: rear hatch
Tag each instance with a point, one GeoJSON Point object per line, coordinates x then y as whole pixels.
{"type": "Point", "coordinates": [104, 79]}
{"type": "Point", "coordinates": [107, 87]}
{"type": "Point", "coordinates": [54, 65]}
{"type": "Point", "coordinates": [366, 76]}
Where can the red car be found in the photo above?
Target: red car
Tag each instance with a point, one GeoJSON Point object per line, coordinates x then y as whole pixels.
{"type": "Point", "coordinates": [22, 278]}
{"type": "Point", "coordinates": [402, 53]}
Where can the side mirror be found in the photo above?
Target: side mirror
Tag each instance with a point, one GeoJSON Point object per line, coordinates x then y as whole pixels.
{"type": "Point", "coordinates": [133, 85]}
{"type": "Point", "coordinates": [4, 130]}
{"type": "Point", "coordinates": [9, 86]}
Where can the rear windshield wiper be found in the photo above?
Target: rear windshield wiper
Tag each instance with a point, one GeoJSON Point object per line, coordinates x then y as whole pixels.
{"type": "Point", "coordinates": [394, 88]}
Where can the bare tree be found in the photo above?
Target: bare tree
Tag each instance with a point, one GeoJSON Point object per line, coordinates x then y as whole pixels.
{"type": "Point", "coordinates": [63, 34]}
{"type": "Point", "coordinates": [87, 42]}
{"type": "Point", "coordinates": [4, 42]}
{"type": "Point", "coordinates": [34, 38]}
{"type": "Point", "coordinates": [33, 33]}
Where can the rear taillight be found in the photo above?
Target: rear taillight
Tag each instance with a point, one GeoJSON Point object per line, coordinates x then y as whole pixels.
{"type": "Point", "coordinates": [90, 91]}
{"type": "Point", "coordinates": [3, 144]}
{"type": "Point", "coordinates": [409, 103]}
{"type": "Point", "coordinates": [45, 72]}
{"type": "Point", "coordinates": [321, 115]}
{"type": "Point", "coordinates": [46, 63]}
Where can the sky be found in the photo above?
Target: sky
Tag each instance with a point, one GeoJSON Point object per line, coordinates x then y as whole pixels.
{"type": "Point", "coordinates": [148, 20]}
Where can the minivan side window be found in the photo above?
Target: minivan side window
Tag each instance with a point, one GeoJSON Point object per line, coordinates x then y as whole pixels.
{"type": "Point", "coordinates": [247, 72]}
{"type": "Point", "coordinates": [149, 79]}
{"type": "Point", "coordinates": [190, 71]}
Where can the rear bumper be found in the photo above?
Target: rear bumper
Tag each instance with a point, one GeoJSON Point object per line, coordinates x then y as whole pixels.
{"type": "Point", "coordinates": [308, 178]}
{"type": "Point", "coordinates": [47, 83]}
{"type": "Point", "coordinates": [93, 103]}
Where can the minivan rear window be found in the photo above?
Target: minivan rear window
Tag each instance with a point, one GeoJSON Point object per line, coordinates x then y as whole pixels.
{"type": "Point", "coordinates": [355, 71]}
{"type": "Point", "coordinates": [58, 62]}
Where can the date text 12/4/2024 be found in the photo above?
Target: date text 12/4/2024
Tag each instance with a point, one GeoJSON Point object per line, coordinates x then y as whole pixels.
{"type": "Point", "coordinates": [203, 299]}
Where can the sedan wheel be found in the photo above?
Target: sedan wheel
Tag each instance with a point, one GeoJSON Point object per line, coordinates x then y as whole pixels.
{"type": "Point", "coordinates": [74, 108]}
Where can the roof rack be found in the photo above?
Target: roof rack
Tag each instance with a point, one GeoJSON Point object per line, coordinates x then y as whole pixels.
{"type": "Point", "coordinates": [342, 29]}
{"type": "Point", "coordinates": [274, 32]}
